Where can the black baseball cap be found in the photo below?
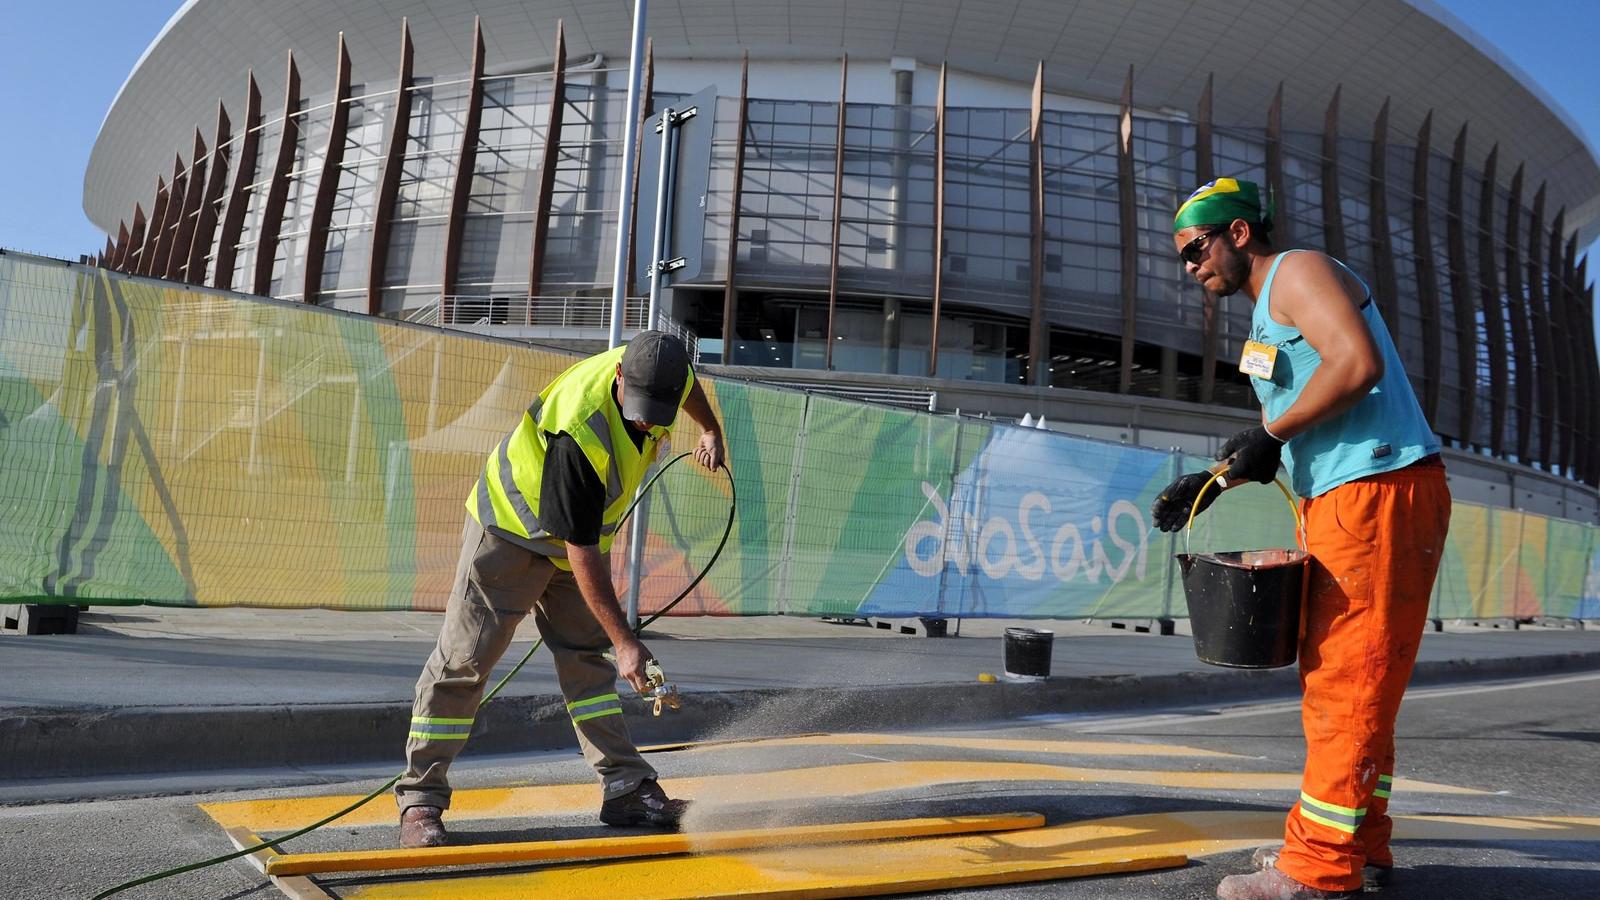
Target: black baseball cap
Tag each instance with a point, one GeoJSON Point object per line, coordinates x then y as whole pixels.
{"type": "Point", "coordinates": [655, 367]}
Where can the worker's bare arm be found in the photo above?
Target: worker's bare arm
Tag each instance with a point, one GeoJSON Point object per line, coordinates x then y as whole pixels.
{"type": "Point", "coordinates": [594, 580]}
{"type": "Point", "coordinates": [709, 452]}
{"type": "Point", "coordinates": [1311, 293]}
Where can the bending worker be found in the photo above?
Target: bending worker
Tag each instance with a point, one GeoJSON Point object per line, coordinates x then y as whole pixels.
{"type": "Point", "coordinates": [1339, 413]}
{"type": "Point", "coordinates": [543, 514]}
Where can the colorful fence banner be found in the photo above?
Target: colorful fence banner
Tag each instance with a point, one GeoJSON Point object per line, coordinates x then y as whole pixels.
{"type": "Point", "coordinates": [177, 446]}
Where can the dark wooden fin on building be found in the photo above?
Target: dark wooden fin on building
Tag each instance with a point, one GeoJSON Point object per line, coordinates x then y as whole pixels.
{"type": "Point", "coordinates": [730, 290]}
{"type": "Point", "coordinates": [1494, 318]}
{"type": "Point", "coordinates": [205, 224]}
{"type": "Point", "coordinates": [1462, 299]}
{"type": "Point", "coordinates": [1332, 203]}
{"type": "Point", "coordinates": [547, 173]}
{"type": "Point", "coordinates": [389, 177]}
{"type": "Point", "coordinates": [1205, 170]}
{"type": "Point", "coordinates": [1127, 217]}
{"type": "Point", "coordinates": [243, 173]}
{"type": "Point", "coordinates": [838, 206]}
{"type": "Point", "coordinates": [278, 188]}
{"type": "Point", "coordinates": [1427, 277]}
{"type": "Point", "coordinates": [183, 235]}
{"type": "Point", "coordinates": [1038, 328]}
{"type": "Point", "coordinates": [938, 221]}
{"type": "Point", "coordinates": [466, 161]}
{"type": "Point", "coordinates": [328, 181]}
{"type": "Point", "coordinates": [1385, 279]}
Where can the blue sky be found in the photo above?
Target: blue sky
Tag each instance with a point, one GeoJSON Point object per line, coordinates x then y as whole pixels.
{"type": "Point", "coordinates": [62, 62]}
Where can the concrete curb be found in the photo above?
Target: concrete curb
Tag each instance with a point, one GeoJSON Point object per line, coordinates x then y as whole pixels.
{"type": "Point", "coordinates": [100, 741]}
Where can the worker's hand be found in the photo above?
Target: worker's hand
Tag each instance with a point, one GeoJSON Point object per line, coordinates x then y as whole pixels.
{"type": "Point", "coordinates": [1253, 455]}
{"type": "Point", "coordinates": [709, 452]}
{"type": "Point", "coordinates": [1170, 512]}
{"type": "Point", "coordinates": [631, 657]}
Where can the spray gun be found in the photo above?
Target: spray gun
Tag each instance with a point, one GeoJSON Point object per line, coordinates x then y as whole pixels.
{"type": "Point", "coordinates": [660, 691]}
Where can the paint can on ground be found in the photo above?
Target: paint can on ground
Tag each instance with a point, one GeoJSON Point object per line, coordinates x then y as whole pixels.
{"type": "Point", "coordinates": [1027, 652]}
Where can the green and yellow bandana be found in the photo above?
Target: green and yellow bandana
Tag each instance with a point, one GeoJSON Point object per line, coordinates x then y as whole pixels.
{"type": "Point", "coordinates": [1220, 202]}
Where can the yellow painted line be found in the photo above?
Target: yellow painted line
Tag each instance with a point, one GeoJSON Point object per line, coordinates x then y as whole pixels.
{"type": "Point", "coordinates": [1497, 828]}
{"type": "Point", "coordinates": [646, 845]}
{"type": "Point", "coordinates": [293, 887]}
{"type": "Point", "coordinates": [791, 873]}
{"type": "Point", "coordinates": [813, 784]}
{"type": "Point", "coordinates": [244, 837]}
{"type": "Point", "coordinates": [1004, 745]}
{"type": "Point", "coordinates": [1208, 833]}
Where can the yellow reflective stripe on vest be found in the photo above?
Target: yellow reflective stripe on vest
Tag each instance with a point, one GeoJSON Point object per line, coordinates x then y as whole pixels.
{"type": "Point", "coordinates": [513, 496]}
{"type": "Point", "coordinates": [1385, 785]}
{"type": "Point", "coordinates": [1343, 818]}
{"type": "Point", "coordinates": [601, 426]}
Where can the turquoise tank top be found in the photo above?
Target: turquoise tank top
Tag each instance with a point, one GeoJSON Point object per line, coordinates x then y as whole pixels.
{"type": "Point", "coordinates": [1383, 432]}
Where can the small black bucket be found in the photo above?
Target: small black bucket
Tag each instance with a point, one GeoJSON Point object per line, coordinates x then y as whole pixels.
{"type": "Point", "coordinates": [1244, 605]}
{"type": "Point", "coordinates": [1028, 653]}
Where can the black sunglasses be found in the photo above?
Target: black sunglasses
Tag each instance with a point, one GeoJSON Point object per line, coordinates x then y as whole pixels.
{"type": "Point", "coordinates": [1192, 251]}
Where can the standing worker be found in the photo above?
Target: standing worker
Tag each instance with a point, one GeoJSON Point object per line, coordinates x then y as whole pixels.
{"type": "Point", "coordinates": [543, 514]}
{"type": "Point", "coordinates": [1339, 413]}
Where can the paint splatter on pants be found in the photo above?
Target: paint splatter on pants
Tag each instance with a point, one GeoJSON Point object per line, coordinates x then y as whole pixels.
{"type": "Point", "coordinates": [1375, 544]}
{"type": "Point", "coordinates": [497, 584]}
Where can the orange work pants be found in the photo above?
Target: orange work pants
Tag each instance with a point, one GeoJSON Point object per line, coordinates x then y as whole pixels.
{"type": "Point", "coordinates": [1375, 545]}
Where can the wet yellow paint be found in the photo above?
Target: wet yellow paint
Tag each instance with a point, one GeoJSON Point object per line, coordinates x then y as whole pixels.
{"type": "Point", "coordinates": [645, 845]}
{"type": "Point", "coordinates": [895, 867]}
{"type": "Point", "coordinates": [1003, 745]}
{"type": "Point", "coordinates": [813, 785]}
{"type": "Point", "coordinates": [1118, 844]}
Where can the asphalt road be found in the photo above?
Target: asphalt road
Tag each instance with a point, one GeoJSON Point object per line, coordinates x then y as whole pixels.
{"type": "Point", "coordinates": [1525, 750]}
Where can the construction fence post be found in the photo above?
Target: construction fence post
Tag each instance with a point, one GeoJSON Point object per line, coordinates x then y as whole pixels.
{"type": "Point", "coordinates": [1165, 623]}
{"type": "Point", "coordinates": [796, 469]}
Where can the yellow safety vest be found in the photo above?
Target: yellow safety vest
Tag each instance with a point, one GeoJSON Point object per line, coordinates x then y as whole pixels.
{"type": "Point", "coordinates": [578, 402]}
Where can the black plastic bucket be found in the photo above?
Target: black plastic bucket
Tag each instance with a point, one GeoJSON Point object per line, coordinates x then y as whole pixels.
{"type": "Point", "coordinates": [1028, 653]}
{"type": "Point", "coordinates": [1244, 606]}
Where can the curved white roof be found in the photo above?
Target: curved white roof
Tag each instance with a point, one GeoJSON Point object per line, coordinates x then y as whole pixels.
{"type": "Point", "coordinates": [1410, 50]}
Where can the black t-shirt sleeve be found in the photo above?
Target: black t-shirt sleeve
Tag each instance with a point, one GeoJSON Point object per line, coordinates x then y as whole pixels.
{"type": "Point", "coordinates": [571, 497]}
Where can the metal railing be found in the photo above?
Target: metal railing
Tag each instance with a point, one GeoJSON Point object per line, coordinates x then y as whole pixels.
{"type": "Point", "coordinates": [538, 312]}
{"type": "Point", "coordinates": [903, 398]}
{"type": "Point", "coordinates": [691, 341]}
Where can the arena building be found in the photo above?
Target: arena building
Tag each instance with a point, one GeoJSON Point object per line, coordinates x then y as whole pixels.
{"type": "Point", "coordinates": [965, 203]}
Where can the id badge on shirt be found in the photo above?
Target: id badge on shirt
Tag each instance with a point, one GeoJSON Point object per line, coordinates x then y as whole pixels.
{"type": "Point", "coordinates": [1258, 359]}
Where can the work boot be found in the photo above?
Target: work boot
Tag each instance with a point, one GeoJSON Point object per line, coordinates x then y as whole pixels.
{"type": "Point", "coordinates": [1273, 884]}
{"type": "Point", "coordinates": [1374, 877]}
{"type": "Point", "coordinates": [647, 805]}
{"type": "Point", "coordinates": [420, 826]}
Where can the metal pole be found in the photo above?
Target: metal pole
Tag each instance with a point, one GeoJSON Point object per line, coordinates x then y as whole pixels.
{"type": "Point", "coordinates": [669, 117]}
{"type": "Point", "coordinates": [630, 137]}
{"type": "Point", "coordinates": [641, 514]}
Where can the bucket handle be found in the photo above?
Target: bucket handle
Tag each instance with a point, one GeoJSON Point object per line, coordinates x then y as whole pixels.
{"type": "Point", "coordinates": [1194, 510]}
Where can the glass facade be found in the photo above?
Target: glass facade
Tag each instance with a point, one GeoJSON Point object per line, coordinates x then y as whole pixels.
{"type": "Point", "coordinates": [349, 240]}
{"type": "Point", "coordinates": [782, 250]}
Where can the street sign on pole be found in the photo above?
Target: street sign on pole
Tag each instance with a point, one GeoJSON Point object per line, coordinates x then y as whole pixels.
{"type": "Point", "coordinates": [674, 169]}
{"type": "Point", "coordinates": [684, 129]}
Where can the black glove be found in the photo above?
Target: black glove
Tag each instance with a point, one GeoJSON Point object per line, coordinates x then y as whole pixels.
{"type": "Point", "coordinates": [1254, 455]}
{"type": "Point", "coordinates": [1170, 512]}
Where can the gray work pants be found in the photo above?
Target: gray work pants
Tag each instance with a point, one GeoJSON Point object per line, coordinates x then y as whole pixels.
{"type": "Point", "coordinates": [497, 583]}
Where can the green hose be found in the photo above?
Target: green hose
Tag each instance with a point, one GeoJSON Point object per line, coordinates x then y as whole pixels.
{"type": "Point", "coordinates": [733, 503]}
